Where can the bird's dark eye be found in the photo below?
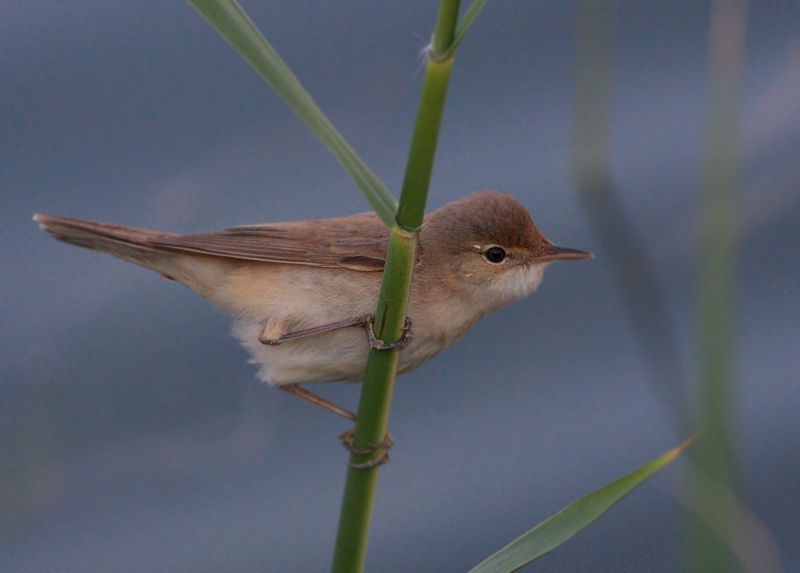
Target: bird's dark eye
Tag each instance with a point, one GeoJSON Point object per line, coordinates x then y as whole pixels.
{"type": "Point", "coordinates": [495, 254]}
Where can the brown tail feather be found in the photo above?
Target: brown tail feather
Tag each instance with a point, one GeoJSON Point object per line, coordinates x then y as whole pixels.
{"type": "Point", "coordinates": [128, 243]}
{"type": "Point", "coordinates": [137, 246]}
{"type": "Point", "coordinates": [71, 230]}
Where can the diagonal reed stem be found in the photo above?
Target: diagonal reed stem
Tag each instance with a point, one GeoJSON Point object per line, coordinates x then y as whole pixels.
{"type": "Point", "coordinates": [376, 394]}
{"type": "Point", "coordinates": [235, 25]}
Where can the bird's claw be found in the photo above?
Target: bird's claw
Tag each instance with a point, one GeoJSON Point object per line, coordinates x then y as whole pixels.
{"type": "Point", "coordinates": [377, 344]}
{"type": "Point", "coordinates": [346, 438]}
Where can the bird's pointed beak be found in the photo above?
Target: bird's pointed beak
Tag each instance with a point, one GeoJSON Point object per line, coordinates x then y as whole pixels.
{"type": "Point", "coordinates": [564, 254]}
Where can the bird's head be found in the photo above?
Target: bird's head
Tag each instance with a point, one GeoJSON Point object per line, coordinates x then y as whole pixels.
{"type": "Point", "coordinates": [488, 243]}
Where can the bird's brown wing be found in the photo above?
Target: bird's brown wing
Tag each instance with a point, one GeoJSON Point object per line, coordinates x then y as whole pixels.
{"type": "Point", "coordinates": [355, 242]}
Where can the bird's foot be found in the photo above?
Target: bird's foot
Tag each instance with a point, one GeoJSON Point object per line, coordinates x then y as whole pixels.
{"type": "Point", "coordinates": [382, 448]}
{"type": "Point", "coordinates": [377, 344]}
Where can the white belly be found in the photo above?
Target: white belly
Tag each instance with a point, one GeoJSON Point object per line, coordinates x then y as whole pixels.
{"type": "Point", "coordinates": [259, 295]}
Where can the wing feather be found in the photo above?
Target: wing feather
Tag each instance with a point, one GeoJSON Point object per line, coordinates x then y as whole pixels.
{"type": "Point", "coordinates": [355, 242]}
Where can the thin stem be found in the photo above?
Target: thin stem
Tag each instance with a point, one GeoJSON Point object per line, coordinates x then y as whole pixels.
{"type": "Point", "coordinates": [446, 23]}
{"type": "Point", "coordinates": [429, 117]}
{"type": "Point", "coordinates": [423, 145]}
{"type": "Point", "coordinates": [715, 455]}
{"type": "Point", "coordinates": [376, 394]}
{"type": "Point", "coordinates": [629, 261]}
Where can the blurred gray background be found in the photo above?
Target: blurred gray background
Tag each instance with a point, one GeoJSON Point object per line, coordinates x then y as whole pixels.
{"type": "Point", "coordinates": [133, 434]}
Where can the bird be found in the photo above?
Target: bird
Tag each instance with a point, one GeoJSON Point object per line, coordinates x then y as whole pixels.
{"type": "Point", "coordinates": [302, 293]}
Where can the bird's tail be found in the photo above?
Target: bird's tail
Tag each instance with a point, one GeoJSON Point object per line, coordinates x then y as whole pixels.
{"type": "Point", "coordinates": [127, 243]}
{"type": "Point", "coordinates": [138, 246]}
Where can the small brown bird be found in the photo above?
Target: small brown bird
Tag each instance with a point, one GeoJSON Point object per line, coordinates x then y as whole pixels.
{"type": "Point", "coordinates": [298, 290]}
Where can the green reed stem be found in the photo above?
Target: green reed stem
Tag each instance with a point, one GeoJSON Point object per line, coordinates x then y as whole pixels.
{"type": "Point", "coordinates": [376, 394]}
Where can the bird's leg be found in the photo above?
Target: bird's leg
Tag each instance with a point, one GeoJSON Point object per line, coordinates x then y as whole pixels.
{"type": "Point", "coordinates": [318, 400]}
{"type": "Point", "coordinates": [347, 437]}
{"type": "Point", "coordinates": [274, 332]}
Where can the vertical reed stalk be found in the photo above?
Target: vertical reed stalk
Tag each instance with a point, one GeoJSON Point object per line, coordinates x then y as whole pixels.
{"type": "Point", "coordinates": [715, 459]}
{"type": "Point", "coordinates": [376, 394]}
{"type": "Point", "coordinates": [630, 265]}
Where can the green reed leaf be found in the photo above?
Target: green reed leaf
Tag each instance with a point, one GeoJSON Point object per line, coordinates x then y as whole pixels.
{"type": "Point", "coordinates": [567, 523]}
{"type": "Point", "coordinates": [233, 23]}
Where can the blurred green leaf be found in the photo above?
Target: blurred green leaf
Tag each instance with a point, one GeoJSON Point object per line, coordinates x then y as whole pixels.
{"type": "Point", "coordinates": [232, 22]}
{"type": "Point", "coordinates": [564, 525]}
{"type": "Point", "coordinates": [715, 458]}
